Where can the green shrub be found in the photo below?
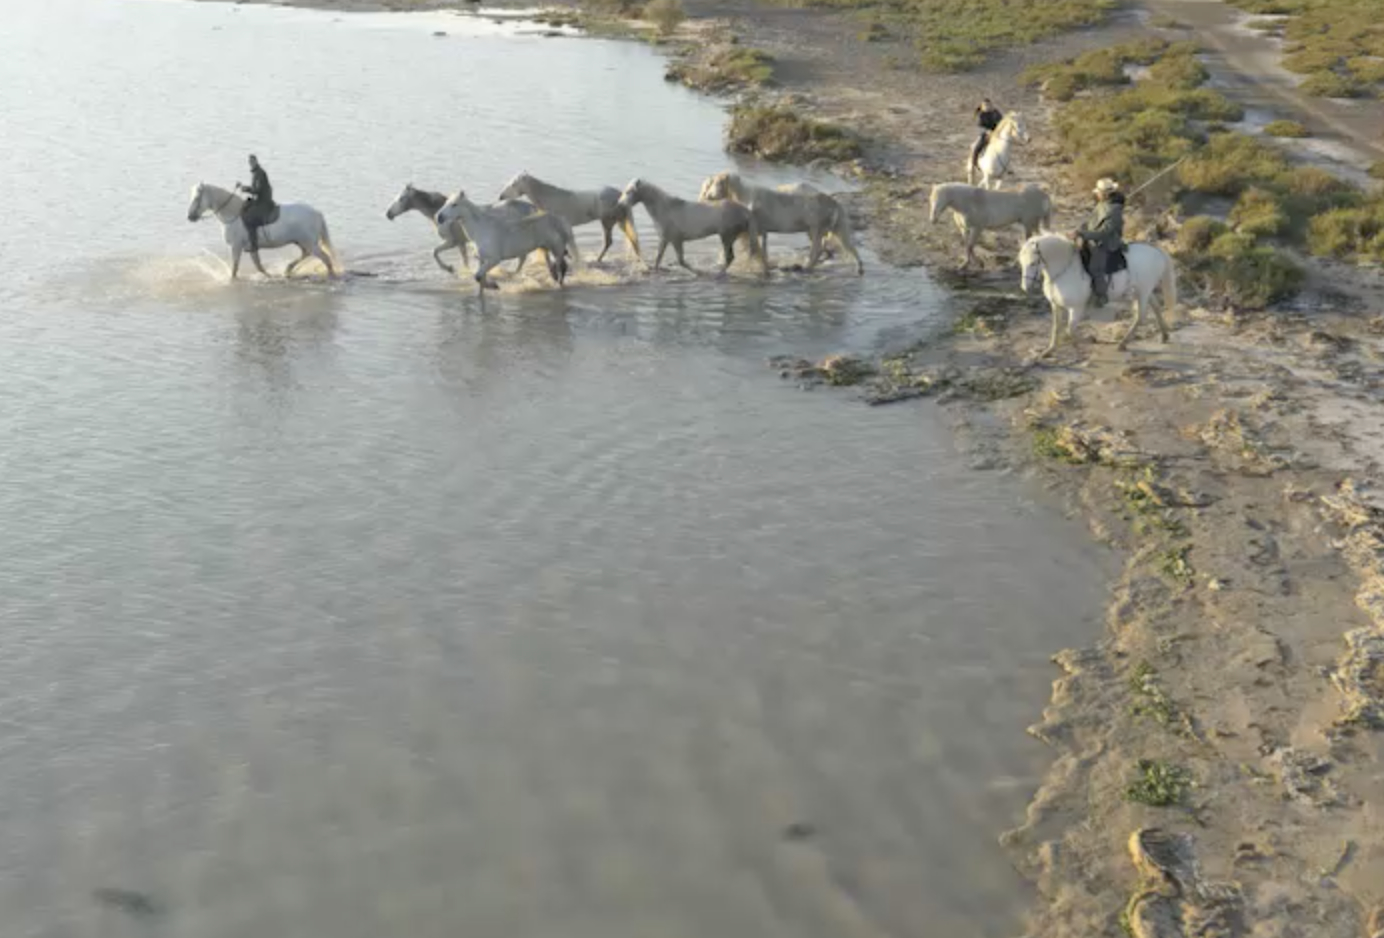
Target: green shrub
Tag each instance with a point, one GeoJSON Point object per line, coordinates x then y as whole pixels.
{"type": "Point", "coordinates": [1270, 7]}
{"type": "Point", "coordinates": [1285, 128]}
{"type": "Point", "coordinates": [1230, 163]}
{"type": "Point", "coordinates": [1331, 85]}
{"type": "Point", "coordinates": [1265, 26]}
{"type": "Point", "coordinates": [667, 15]}
{"type": "Point", "coordinates": [1376, 170]}
{"type": "Point", "coordinates": [1197, 233]}
{"type": "Point", "coordinates": [780, 133]}
{"type": "Point", "coordinates": [1250, 275]}
{"type": "Point", "coordinates": [1349, 232]}
{"type": "Point", "coordinates": [1179, 71]}
{"type": "Point", "coordinates": [1309, 61]}
{"type": "Point", "coordinates": [1369, 70]}
{"type": "Point", "coordinates": [1259, 213]}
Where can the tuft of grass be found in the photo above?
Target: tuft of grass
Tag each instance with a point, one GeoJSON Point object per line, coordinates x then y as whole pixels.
{"type": "Point", "coordinates": [781, 134]}
{"type": "Point", "coordinates": [1286, 128]}
{"type": "Point", "coordinates": [1368, 70]}
{"type": "Point", "coordinates": [1047, 445]}
{"type": "Point", "coordinates": [1164, 21]}
{"type": "Point", "coordinates": [1173, 564]}
{"type": "Point", "coordinates": [666, 15]}
{"type": "Point", "coordinates": [1377, 170]}
{"type": "Point", "coordinates": [1150, 700]}
{"type": "Point", "coordinates": [1146, 506]}
{"type": "Point", "coordinates": [1158, 784]}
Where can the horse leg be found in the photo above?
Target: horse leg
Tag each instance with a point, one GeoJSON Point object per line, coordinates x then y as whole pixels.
{"type": "Point", "coordinates": [677, 249]}
{"type": "Point", "coordinates": [727, 251]}
{"type": "Point", "coordinates": [482, 281]}
{"type": "Point", "coordinates": [814, 255]}
{"type": "Point", "coordinates": [254, 256]}
{"type": "Point", "coordinates": [235, 260]}
{"type": "Point", "coordinates": [970, 236]}
{"type": "Point", "coordinates": [606, 227]}
{"type": "Point", "coordinates": [520, 266]}
{"type": "Point", "coordinates": [1052, 338]}
{"type": "Point", "coordinates": [437, 256]}
{"type": "Point", "coordinates": [1133, 326]}
{"type": "Point", "coordinates": [662, 246]}
{"type": "Point", "coordinates": [293, 265]}
{"type": "Point", "coordinates": [1162, 325]}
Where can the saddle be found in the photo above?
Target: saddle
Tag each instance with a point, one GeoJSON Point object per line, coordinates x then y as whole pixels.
{"type": "Point", "coordinates": [1114, 261]}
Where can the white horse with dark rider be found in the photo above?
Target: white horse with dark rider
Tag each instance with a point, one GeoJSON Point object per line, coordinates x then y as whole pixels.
{"type": "Point", "coordinates": [1067, 285]}
{"type": "Point", "coordinates": [296, 224]}
{"type": "Point", "coordinates": [994, 160]}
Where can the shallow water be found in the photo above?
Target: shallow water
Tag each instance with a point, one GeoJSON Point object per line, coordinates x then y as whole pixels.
{"type": "Point", "coordinates": [350, 610]}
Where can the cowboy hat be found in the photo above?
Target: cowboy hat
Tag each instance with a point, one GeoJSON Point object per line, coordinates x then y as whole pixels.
{"type": "Point", "coordinates": [1106, 185]}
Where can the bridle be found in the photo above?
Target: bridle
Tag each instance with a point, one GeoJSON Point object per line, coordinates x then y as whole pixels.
{"type": "Point", "coordinates": [1043, 261]}
{"type": "Point", "coordinates": [217, 211]}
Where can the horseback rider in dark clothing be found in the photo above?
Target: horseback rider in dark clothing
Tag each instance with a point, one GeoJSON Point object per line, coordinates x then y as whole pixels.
{"type": "Point", "coordinates": [1103, 235]}
{"type": "Point", "coordinates": [988, 117]}
{"type": "Point", "coordinates": [259, 207]}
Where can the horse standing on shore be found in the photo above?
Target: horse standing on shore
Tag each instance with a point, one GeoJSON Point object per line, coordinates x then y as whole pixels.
{"type": "Point", "coordinates": [499, 239]}
{"type": "Point", "coordinates": [1067, 285]}
{"type": "Point", "coordinates": [295, 224]}
{"type": "Point", "coordinates": [577, 207]}
{"type": "Point", "coordinates": [789, 209]}
{"type": "Point", "coordinates": [994, 162]}
{"type": "Point", "coordinates": [428, 204]}
{"type": "Point", "coordinates": [679, 221]}
{"type": "Point", "coordinates": [975, 210]}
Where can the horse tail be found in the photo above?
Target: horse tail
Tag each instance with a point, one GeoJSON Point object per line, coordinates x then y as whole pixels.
{"type": "Point", "coordinates": [1169, 284]}
{"type": "Point", "coordinates": [625, 218]}
{"type": "Point", "coordinates": [324, 241]}
{"type": "Point", "coordinates": [569, 240]}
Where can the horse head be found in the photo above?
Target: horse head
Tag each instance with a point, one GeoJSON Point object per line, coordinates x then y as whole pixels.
{"type": "Point", "coordinates": [515, 188]}
{"type": "Point", "coordinates": [195, 207]}
{"type": "Point", "coordinates": [451, 209]}
{"type": "Point", "coordinates": [715, 188]}
{"type": "Point", "coordinates": [1044, 252]}
{"type": "Point", "coordinates": [402, 204]}
{"type": "Point", "coordinates": [633, 194]}
{"type": "Point", "coordinates": [935, 203]}
{"type": "Point", "coordinates": [1017, 129]}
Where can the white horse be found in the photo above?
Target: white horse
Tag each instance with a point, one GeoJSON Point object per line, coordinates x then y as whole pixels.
{"type": "Point", "coordinates": [297, 224]}
{"type": "Point", "coordinates": [787, 209]}
{"type": "Point", "coordinates": [975, 210]}
{"type": "Point", "coordinates": [1067, 285]}
{"type": "Point", "coordinates": [679, 220]}
{"type": "Point", "coordinates": [577, 208]}
{"type": "Point", "coordinates": [428, 204]}
{"type": "Point", "coordinates": [499, 239]}
{"type": "Point", "coordinates": [994, 161]}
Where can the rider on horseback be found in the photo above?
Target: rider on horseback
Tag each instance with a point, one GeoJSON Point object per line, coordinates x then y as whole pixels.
{"type": "Point", "coordinates": [988, 117]}
{"type": "Point", "coordinates": [259, 207]}
{"type": "Point", "coordinates": [1104, 235]}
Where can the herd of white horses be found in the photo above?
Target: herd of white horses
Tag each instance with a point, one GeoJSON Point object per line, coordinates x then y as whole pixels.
{"type": "Point", "coordinates": [531, 215]}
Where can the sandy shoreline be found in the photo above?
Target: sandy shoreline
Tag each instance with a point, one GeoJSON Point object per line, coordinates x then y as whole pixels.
{"type": "Point", "coordinates": [1242, 666]}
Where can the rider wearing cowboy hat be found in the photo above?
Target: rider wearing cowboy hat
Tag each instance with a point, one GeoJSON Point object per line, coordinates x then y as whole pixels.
{"type": "Point", "coordinates": [1104, 235]}
{"type": "Point", "coordinates": [259, 207]}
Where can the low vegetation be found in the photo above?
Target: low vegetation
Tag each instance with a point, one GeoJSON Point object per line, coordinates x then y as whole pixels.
{"type": "Point", "coordinates": [729, 68]}
{"type": "Point", "coordinates": [956, 35]}
{"type": "Point", "coordinates": [1285, 128]}
{"type": "Point", "coordinates": [666, 15]}
{"type": "Point", "coordinates": [1338, 45]}
{"type": "Point", "coordinates": [1158, 784]}
{"type": "Point", "coordinates": [1111, 125]}
{"type": "Point", "coordinates": [779, 133]}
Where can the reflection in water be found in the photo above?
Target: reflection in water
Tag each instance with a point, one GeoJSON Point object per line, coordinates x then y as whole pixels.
{"type": "Point", "coordinates": [351, 609]}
